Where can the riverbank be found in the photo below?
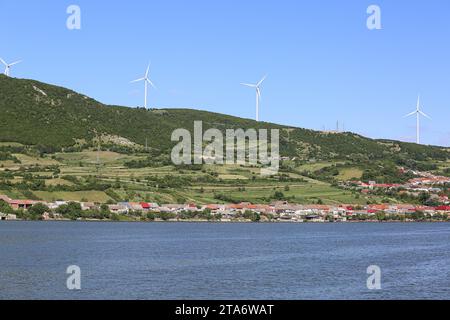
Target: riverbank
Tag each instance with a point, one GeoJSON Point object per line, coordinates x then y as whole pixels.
{"type": "Point", "coordinates": [224, 221]}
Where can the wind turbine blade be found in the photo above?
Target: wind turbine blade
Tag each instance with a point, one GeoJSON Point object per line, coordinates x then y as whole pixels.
{"type": "Point", "coordinates": [11, 64]}
{"type": "Point", "coordinates": [3, 61]}
{"type": "Point", "coordinates": [151, 83]}
{"type": "Point", "coordinates": [425, 115]}
{"type": "Point", "coordinates": [249, 85]}
{"type": "Point", "coordinates": [148, 69]}
{"type": "Point", "coordinates": [137, 80]}
{"type": "Point", "coordinates": [258, 92]}
{"type": "Point", "coordinates": [262, 80]}
{"type": "Point", "coordinates": [410, 114]}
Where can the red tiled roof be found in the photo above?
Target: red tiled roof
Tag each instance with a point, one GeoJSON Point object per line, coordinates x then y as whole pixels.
{"type": "Point", "coordinates": [236, 206]}
{"type": "Point", "coordinates": [24, 202]}
{"type": "Point", "coordinates": [5, 198]}
{"type": "Point", "coordinates": [145, 205]}
{"type": "Point", "coordinates": [378, 207]}
{"type": "Point", "coordinates": [423, 208]}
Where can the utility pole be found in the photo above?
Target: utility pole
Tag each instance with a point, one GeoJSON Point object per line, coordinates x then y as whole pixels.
{"type": "Point", "coordinates": [98, 154]}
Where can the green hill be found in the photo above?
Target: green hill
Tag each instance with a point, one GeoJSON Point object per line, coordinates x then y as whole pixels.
{"type": "Point", "coordinates": [35, 113]}
{"type": "Point", "coordinates": [48, 141]}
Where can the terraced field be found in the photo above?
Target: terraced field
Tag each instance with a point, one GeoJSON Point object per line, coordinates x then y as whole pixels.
{"type": "Point", "coordinates": [233, 182]}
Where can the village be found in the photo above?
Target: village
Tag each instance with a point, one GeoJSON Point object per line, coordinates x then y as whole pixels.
{"type": "Point", "coordinates": [280, 211]}
{"type": "Point", "coordinates": [428, 194]}
{"type": "Point", "coordinates": [433, 187]}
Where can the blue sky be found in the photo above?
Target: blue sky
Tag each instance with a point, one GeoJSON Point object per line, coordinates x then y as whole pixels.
{"type": "Point", "coordinates": [323, 64]}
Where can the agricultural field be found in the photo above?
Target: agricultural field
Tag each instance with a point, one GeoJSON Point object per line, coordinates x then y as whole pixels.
{"type": "Point", "coordinates": [350, 173]}
{"type": "Point", "coordinates": [65, 172]}
{"type": "Point", "coordinates": [92, 196]}
{"type": "Point", "coordinates": [314, 166]}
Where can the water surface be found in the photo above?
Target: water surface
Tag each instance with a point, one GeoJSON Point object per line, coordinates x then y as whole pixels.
{"type": "Point", "coordinates": [224, 261]}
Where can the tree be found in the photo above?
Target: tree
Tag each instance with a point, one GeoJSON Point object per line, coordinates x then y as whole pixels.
{"type": "Point", "coordinates": [5, 207]}
{"type": "Point", "coordinates": [278, 195]}
{"type": "Point", "coordinates": [252, 216]}
{"type": "Point", "coordinates": [381, 216]}
{"type": "Point", "coordinates": [424, 197]}
{"type": "Point", "coordinates": [38, 209]}
{"type": "Point", "coordinates": [167, 216]}
{"type": "Point", "coordinates": [72, 210]}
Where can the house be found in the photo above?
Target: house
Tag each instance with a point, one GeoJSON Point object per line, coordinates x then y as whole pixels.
{"type": "Point", "coordinates": [191, 207]}
{"type": "Point", "coordinates": [116, 208]}
{"type": "Point", "coordinates": [212, 207]}
{"type": "Point", "coordinates": [424, 209]}
{"type": "Point", "coordinates": [403, 208]}
{"type": "Point", "coordinates": [215, 208]}
{"type": "Point", "coordinates": [22, 204]}
{"type": "Point", "coordinates": [57, 204]}
{"type": "Point", "coordinates": [135, 206]}
{"type": "Point", "coordinates": [378, 207]}
{"type": "Point", "coordinates": [145, 206]}
{"type": "Point", "coordinates": [238, 207]}
{"type": "Point", "coordinates": [443, 209]}
{"type": "Point", "coordinates": [88, 206]}
{"type": "Point", "coordinates": [171, 207]}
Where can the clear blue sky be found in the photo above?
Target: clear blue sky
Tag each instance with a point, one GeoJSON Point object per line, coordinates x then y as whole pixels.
{"type": "Point", "coordinates": [323, 63]}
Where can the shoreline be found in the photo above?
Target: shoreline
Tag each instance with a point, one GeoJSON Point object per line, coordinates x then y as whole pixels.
{"type": "Point", "coordinates": [224, 222]}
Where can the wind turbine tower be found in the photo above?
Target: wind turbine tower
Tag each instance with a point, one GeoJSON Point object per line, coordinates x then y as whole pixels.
{"type": "Point", "coordinates": [146, 82]}
{"type": "Point", "coordinates": [258, 93]}
{"type": "Point", "coordinates": [417, 113]}
{"type": "Point", "coordinates": [8, 66]}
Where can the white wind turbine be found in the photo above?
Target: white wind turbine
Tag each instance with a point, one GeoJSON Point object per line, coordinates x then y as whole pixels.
{"type": "Point", "coordinates": [418, 113]}
{"type": "Point", "coordinates": [258, 93]}
{"type": "Point", "coordinates": [8, 66]}
{"type": "Point", "coordinates": [146, 81]}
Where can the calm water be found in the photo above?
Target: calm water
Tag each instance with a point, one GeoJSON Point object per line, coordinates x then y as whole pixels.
{"type": "Point", "coordinates": [223, 261]}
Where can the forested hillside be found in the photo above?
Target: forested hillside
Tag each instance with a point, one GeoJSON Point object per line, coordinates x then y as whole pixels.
{"type": "Point", "coordinates": [55, 118]}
